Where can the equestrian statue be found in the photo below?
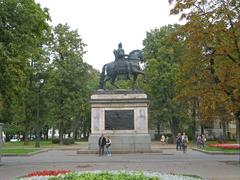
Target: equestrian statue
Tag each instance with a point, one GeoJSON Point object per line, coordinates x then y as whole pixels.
{"type": "Point", "coordinates": [124, 64]}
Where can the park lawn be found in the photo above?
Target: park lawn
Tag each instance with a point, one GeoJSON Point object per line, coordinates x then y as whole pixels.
{"type": "Point", "coordinates": [31, 144]}
{"type": "Point", "coordinates": [207, 148]}
{"type": "Point", "coordinates": [15, 151]}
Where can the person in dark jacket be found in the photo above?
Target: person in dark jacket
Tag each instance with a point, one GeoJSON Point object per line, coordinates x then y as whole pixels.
{"type": "Point", "coordinates": [101, 144]}
{"type": "Point", "coordinates": [179, 142]}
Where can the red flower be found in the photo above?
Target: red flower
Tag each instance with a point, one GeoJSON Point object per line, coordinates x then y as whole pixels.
{"type": "Point", "coordinates": [48, 173]}
{"type": "Point", "coordinates": [226, 146]}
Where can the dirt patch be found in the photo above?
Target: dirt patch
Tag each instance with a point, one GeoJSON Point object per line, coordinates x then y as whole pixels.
{"type": "Point", "coordinates": [84, 166]}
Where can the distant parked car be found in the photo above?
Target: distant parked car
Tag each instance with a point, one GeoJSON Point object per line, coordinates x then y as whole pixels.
{"type": "Point", "coordinates": [14, 140]}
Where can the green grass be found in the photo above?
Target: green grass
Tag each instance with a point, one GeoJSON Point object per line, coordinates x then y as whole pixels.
{"type": "Point", "coordinates": [193, 176]}
{"type": "Point", "coordinates": [21, 151]}
{"type": "Point", "coordinates": [207, 148]}
{"type": "Point", "coordinates": [20, 148]}
{"type": "Point", "coordinates": [31, 144]}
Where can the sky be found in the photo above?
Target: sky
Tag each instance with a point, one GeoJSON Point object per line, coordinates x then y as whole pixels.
{"type": "Point", "coordinates": [102, 24]}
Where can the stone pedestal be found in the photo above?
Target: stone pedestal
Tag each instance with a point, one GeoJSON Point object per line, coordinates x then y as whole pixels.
{"type": "Point", "coordinates": [122, 115]}
{"type": "Point", "coordinates": [1, 139]}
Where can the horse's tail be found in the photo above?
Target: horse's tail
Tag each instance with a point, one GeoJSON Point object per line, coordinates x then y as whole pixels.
{"type": "Point", "coordinates": [102, 77]}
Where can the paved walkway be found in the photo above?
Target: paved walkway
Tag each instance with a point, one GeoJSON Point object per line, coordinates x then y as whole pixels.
{"type": "Point", "coordinates": [212, 167]}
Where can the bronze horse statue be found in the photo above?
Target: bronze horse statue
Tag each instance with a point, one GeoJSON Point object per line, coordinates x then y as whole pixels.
{"type": "Point", "coordinates": [127, 66]}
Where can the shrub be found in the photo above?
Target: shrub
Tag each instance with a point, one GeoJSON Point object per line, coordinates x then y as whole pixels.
{"type": "Point", "coordinates": [170, 140]}
{"type": "Point", "coordinates": [68, 141]}
{"type": "Point", "coordinates": [55, 141]}
{"type": "Point", "coordinates": [65, 141]}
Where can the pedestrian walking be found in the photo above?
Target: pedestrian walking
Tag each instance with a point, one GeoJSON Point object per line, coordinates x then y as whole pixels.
{"type": "Point", "coordinates": [199, 141]}
{"type": "Point", "coordinates": [162, 139]}
{"type": "Point", "coordinates": [101, 144]}
{"type": "Point", "coordinates": [179, 142]}
{"type": "Point", "coordinates": [184, 142]}
{"type": "Point", "coordinates": [108, 146]}
{"type": "Point", "coordinates": [166, 140]}
{"type": "Point", "coordinates": [203, 140]}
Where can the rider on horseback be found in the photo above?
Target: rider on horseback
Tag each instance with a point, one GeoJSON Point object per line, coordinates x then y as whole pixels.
{"type": "Point", "coordinates": [125, 66]}
{"type": "Point", "coordinates": [120, 60]}
{"type": "Point", "coordinates": [119, 53]}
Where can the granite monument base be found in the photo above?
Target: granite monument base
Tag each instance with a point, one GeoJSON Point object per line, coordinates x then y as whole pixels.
{"type": "Point", "coordinates": [122, 143]}
{"type": "Point", "coordinates": [122, 115]}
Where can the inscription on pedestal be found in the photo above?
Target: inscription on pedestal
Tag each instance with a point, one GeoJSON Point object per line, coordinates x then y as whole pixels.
{"type": "Point", "coordinates": [119, 119]}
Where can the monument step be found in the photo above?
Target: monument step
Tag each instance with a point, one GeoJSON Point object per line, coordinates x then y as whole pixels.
{"type": "Point", "coordinates": [118, 151]}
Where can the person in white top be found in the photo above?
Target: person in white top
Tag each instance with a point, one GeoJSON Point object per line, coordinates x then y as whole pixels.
{"type": "Point", "coordinates": [163, 139]}
{"type": "Point", "coordinates": [184, 142]}
{"type": "Point", "coordinates": [108, 146]}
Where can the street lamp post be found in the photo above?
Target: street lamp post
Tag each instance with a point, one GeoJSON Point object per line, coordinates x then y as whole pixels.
{"type": "Point", "coordinates": [37, 138]}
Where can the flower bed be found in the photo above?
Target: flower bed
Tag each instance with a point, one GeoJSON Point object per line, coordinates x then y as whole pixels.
{"type": "Point", "coordinates": [48, 173]}
{"type": "Point", "coordinates": [226, 146]}
{"type": "Point", "coordinates": [102, 175]}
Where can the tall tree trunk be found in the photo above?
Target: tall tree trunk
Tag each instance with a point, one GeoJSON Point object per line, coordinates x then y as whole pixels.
{"type": "Point", "coordinates": [224, 130]}
{"type": "Point", "coordinates": [37, 126]}
{"type": "Point", "coordinates": [27, 126]}
{"type": "Point", "coordinates": [194, 117]}
{"type": "Point", "coordinates": [46, 133]}
{"type": "Point", "coordinates": [237, 118]}
{"type": "Point", "coordinates": [174, 128]}
{"type": "Point", "coordinates": [28, 110]}
{"type": "Point", "coordinates": [26, 134]}
{"type": "Point", "coordinates": [30, 134]}
{"type": "Point", "coordinates": [75, 135]}
{"type": "Point", "coordinates": [61, 132]}
{"type": "Point", "coordinates": [53, 133]}
{"type": "Point", "coordinates": [61, 117]}
{"type": "Point", "coordinates": [202, 129]}
{"type": "Point", "coordinates": [158, 130]}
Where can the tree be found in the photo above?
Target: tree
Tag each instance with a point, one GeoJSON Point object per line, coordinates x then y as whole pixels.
{"type": "Point", "coordinates": [161, 51]}
{"type": "Point", "coordinates": [68, 78]}
{"type": "Point", "coordinates": [212, 34]}
{"type": "Point", "coordinates": [23, 25]}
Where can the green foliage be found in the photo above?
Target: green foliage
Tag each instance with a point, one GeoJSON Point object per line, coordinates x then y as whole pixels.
{"type": "Point", "coordinates": [68, 141]}
{"type": "Point", "coordinates": [31, 144]}
{"type": "Point", "coordinates": [21, 21]}
{"type": "Point", "coordinates": [13, 128]}
{"type": "Point", "coordinates": [14, 151]}
{"type": "Point", "coordinates": [70, 81]}
{"type": "Point", "coordinates": [104, 176]}
{"type": "Point", "coordinates": [55, 141]}
{"type": "Point", "coordinates": [162, 50]}
{"type": "Point", "coordinates": [29, 51]}
{"type": "Point", "coordinates": [218, 149]}
{"type": "Point", "coordinates": [211, 63]}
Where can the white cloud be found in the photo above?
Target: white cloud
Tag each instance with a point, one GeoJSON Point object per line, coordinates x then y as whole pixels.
{"type": "Point", "coordinates": [103, 24]}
